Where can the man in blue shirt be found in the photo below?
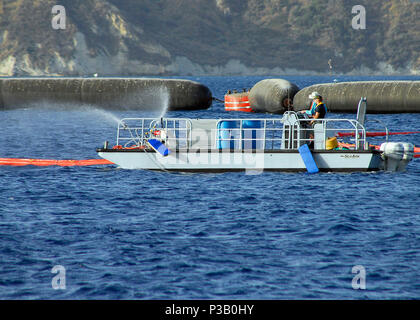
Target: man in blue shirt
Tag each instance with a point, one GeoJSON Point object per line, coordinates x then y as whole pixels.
{"type": "Point", "coordinates": [320, 110]}
{"type": "Point", "coordinates": [316, 106]}
{"type": "Point", "coordinates": [311, 111]}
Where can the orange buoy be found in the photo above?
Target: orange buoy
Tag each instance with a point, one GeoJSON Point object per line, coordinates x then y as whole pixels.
{"type": "Point", "coordinates": [238, 102]}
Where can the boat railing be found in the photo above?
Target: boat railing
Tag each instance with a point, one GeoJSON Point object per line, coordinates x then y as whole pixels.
{"type": "Point", "coordinates": [290, 132]}
{"type": "Point", "coordinates": [382, 124]}
{"type": "Point", "coordinates": [245, 134]}
{"type": "Point", "coordinates": [135, 132]}
{"type": "Point", "coordinates": [298, 131]}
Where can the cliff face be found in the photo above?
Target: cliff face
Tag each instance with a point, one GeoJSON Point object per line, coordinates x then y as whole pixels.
{"type": "Point", "coordinates": [195, 37]}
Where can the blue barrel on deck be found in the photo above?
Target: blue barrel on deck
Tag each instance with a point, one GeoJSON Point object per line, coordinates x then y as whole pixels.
{"type": "Point", "coordinates": [252, 139]}
{"type": "Point", "coordinates": [225, 134]}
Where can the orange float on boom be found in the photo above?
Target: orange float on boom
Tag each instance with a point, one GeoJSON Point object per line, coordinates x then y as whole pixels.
{"type": "Point", "coordinates": [375, 134]}
{"type": "Point", "coordinates": [238, 102]}
{"type": "Point", "coordinates": [49, 162]}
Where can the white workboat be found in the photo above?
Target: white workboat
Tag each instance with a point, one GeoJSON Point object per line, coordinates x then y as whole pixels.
{"type": "Point", "coordinates": [209, 145]}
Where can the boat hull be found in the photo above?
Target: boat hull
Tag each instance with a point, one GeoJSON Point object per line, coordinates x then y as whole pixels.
{"type": "Point", "coordinates": [226, 160]}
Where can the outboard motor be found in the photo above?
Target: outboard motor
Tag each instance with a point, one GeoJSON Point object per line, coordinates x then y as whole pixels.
{"type": "Point", "coordinates": [396, 155]}
{"type": "Point", "coordinates": [407, 157]}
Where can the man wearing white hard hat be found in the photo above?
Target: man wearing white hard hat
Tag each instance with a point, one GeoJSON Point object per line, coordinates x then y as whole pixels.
{"type": "Point", "coordinates": [318, 110]}
{"type": "Point", "coordinates": [311, 111]}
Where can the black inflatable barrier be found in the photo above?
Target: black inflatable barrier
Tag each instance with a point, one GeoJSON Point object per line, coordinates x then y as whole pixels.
{"type": "Point", "coordinates": [272, 95]}
{"type": "Point", "coordinates": [382, 96]}
{"type": "Point", "coordinates": [107, 93]}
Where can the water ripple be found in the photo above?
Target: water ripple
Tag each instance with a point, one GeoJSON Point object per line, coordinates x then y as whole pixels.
{"type": "Point", "coordinates": [124, 234]}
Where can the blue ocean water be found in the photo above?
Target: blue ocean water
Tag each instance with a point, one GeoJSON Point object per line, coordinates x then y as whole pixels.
{"type": "Point", "coordinates": [123, 234]}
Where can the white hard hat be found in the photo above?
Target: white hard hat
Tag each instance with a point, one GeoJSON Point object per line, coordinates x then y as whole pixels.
{"type": "Point", "coordinates": [313, 95]}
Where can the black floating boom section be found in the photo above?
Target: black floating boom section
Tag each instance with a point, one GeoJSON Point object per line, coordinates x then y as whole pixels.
{"type": "Point", "coordinates": [272, 95]}
{"type": "Point", "coordinates": [106, 93]}
{"type": "Point", "coordinates": [382, 96]}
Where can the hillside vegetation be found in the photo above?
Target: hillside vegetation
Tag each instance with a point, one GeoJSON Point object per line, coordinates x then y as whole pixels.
{"type": "Point", "coordinates": [182, 37]}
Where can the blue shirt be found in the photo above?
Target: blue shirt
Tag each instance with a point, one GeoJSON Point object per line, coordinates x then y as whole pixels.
{"type": "Point", "coordinates": [311, 110]}
{"type": "Point", "coordinates": [316, 108]}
